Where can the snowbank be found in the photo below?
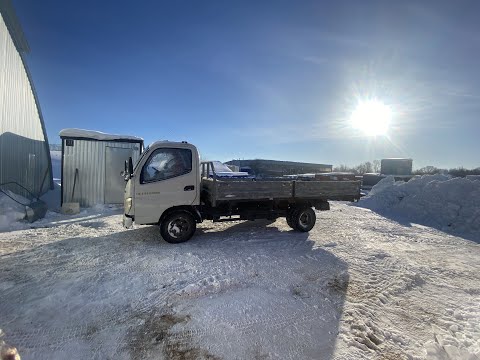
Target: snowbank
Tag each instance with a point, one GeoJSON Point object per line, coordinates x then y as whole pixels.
{"type": "Point", "coordinates": [10, 211]}
{"type": "Point", "coordinates": [435, 200]}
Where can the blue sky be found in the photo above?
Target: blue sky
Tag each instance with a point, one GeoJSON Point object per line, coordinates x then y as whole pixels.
{"type": "Point", "coordinates": [263, 79]}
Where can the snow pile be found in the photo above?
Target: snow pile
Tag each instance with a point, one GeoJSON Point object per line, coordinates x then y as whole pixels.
{"type": "Point", "coordinates": [436, 200]}
{"type": "Point", "coordinates": [10, 210]}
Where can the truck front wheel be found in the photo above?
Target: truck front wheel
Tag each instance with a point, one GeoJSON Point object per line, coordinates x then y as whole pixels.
{"type": "Point", "coordinates": [303, 219]}
{"type": "Point", "coordinates": [178, 227]}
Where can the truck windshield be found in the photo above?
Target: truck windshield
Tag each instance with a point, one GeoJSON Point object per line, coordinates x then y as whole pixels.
{"type": "Point", "coordinates": [166, 163]}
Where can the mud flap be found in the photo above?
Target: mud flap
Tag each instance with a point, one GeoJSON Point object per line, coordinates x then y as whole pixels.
{"type": "Point", "coordinates": [324, 205]}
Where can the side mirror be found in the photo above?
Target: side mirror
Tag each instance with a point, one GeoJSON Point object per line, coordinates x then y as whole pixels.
{"type": "Point", "coordinates": [124, 172]}
{"type": "Point", "coordinates": [127, 173]}
{"type": "Point", "coordinates": [130, 166]}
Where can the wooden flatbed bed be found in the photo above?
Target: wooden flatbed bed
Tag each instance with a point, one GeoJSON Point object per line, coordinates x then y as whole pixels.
{"type": "Point", "coordinates": [215, 190]}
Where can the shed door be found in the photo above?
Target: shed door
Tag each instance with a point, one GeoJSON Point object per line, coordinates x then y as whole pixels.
{"type": "Point", "coordinates": [114, 182]}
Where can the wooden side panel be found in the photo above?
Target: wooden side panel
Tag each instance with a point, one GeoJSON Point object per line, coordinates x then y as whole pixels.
{"type": "Point", "coordinates": [255, 190]}
{"type": "Point", "coordinates": [245, 190]}
{"type": "Point", "coordinates": [207, 187]}
{"type": "Point", "coordinates": [328, 190]}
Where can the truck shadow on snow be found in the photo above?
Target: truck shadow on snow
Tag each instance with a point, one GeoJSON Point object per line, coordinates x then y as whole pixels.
{"type": "Point", "coordinates": [244, 231]}
{"type": "Point", "coordinates": [236, 290]}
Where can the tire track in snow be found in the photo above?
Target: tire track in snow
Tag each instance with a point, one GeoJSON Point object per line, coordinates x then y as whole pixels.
{"type": "Point", "coordinates": [388, 276]}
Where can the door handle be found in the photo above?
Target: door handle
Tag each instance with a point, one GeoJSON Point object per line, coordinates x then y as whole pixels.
{"type": "Point", "coordinates": [189, 188]}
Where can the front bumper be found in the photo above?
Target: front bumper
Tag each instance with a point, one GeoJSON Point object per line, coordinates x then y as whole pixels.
{"type": "Point", "coordinates": [127, 221]}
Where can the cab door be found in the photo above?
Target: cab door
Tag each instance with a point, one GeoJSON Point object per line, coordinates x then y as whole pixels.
{"type": "Point", "coordinates": [167, 178]}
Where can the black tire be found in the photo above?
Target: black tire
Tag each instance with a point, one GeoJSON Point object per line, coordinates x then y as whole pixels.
{"type": "Point", "coordinates": [290, 216]}
{"type": "Point", "coordinates": [178, 227]}
{"type": "Point", "coordinates": [304, 219]}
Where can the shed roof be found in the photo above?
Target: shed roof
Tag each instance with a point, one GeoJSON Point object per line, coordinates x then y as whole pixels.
{"type": "Point", "coordinates": [97, 135]}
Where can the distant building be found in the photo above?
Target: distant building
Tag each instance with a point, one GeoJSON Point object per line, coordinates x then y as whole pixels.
{"type": "Point", "coordinates": [25, 164]}
{"type": "Point", "coordinates": [262, 167]}
{"type": "Point", "coordinates": [400, 168]}
{"type": "Point", "coordinates": [396, 166]}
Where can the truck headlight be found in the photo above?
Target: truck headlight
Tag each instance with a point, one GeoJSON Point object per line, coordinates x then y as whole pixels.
{"type": "Point", "coordinates": [128, 205]}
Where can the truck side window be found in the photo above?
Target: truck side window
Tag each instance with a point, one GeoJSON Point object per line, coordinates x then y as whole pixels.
{"type": "Point", "coordinates": [165, 164]}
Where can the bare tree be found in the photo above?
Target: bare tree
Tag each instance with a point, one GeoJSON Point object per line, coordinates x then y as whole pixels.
{"type": "Point", "coordinates": [342, 168]}
{"type": "Point", "coordinates": [427, 170]}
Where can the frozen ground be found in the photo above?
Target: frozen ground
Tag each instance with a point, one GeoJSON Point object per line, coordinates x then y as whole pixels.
{"type": "Point", "coordinates": [358, 286]}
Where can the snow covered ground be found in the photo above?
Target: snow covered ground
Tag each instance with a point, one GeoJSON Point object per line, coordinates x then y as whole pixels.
{"type": "Point", "coordinates": [358, 286]}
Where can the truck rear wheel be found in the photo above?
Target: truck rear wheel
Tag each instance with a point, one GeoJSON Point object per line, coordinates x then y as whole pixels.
{"type": "Point", "coordinates": [303, 219]}
{"type": "Point", "coordinates": [290, 216]}
{"type": "Point", "coordinates": [178, 227]}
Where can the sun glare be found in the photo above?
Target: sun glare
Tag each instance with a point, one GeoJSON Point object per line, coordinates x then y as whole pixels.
{"type": "Point", "coordinates": [372, 117]}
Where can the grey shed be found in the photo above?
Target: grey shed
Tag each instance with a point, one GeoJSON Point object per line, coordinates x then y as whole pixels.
{"type": "Point", "coordinates": [91, 165]}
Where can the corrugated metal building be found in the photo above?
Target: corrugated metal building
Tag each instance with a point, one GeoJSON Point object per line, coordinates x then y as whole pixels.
{"type": "Point", "coordinates": [91, 165]}
{"type": "Point", "coordinates": [24, 151]}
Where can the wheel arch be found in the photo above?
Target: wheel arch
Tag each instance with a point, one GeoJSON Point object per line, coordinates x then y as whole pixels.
{"type": "Point", "coordinates": [184, 208]}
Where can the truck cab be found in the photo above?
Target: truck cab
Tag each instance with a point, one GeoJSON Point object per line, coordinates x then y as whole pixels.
{"type": "Point", "coordinates": [166, 177]}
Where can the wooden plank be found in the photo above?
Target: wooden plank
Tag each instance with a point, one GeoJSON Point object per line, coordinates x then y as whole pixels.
{"type": "Point", "coordinates": [244, 190]}
{"type": "Point", "coordinates": [326, 189]}
{"type": "Point", "coordinates": [255, 190]}
{"type": "Point", "coordinates": [207, 186]}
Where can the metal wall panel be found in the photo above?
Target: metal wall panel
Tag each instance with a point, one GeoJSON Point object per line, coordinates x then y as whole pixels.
{"type": "Point", "coordinates": [24, 155]}
{"type": "Point", "coordinates": [88, 156]}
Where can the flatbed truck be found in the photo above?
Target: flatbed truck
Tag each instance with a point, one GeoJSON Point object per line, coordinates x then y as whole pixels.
{"type": "Point", "coordinates": [170, 187]}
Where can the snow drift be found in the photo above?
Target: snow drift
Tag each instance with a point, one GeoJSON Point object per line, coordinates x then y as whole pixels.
{"type": "Point", "coordinates": [447, 203]}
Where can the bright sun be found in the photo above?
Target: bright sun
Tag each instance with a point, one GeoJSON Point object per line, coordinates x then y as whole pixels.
{"type": "Point", "coordinates": [372, 117]}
